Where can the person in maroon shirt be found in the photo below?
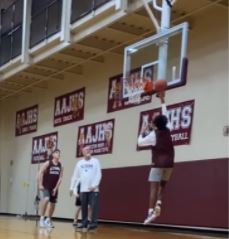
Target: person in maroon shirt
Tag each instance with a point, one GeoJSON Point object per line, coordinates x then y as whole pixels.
{"type": "Point", "coordinates": [158, 136]}
{"type": "Point", "coordinates": [49, 180]}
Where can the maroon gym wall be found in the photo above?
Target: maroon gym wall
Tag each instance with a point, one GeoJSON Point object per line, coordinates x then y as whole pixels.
{"type": "Point", "coordinates": [197, 194]}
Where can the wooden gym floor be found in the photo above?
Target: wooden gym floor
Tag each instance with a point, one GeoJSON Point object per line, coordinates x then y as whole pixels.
{"type": "Point", "coordinates": [13, 228]}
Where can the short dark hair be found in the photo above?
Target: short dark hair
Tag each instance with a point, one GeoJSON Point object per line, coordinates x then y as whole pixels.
{"type": "Point", "coordinates": [55, 151]}
{"type": "Point", "coordinates": [160, 122]}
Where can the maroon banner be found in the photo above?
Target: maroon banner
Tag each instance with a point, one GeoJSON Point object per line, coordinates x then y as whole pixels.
{"type": "Point", "coordinates": [26, 120]}
{"type": "Point", "coordinates": [69, 107]}
{"type": "Point", "coordinates": [99, 136]}
{"type": "Point", "coordinates": [180, 117]}
{"type": "Point", "coordinates": [43, 146]}
{"type": "Point", "coordinates": [116, 101]}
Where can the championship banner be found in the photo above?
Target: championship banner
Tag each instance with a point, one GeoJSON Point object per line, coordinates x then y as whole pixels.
{"type": "Point", "coordinates": [99, 136]}
{"type": "Point", "coordinates": [43, 146]}
{"type": "Point", "coordinates": [115, 91]}
{"type": "Point", "coordinates": [69, 108]}
{"type": "Point", "coordinates": [26, 120]}
{"type": "Point", "coordinates": [180, 117]}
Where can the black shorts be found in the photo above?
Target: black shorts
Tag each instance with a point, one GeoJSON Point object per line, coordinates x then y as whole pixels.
{"type": "Point", "coordinates": [78, 202]}
{"type": "Point", "coordinates": [47, 193]}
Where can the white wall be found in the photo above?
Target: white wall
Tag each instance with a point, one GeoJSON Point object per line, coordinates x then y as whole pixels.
{"type": "Point", "coordinates": [207, 84]}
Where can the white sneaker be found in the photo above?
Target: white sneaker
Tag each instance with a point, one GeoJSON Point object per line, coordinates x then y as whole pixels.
{"type": "Point", "coordinates": [42, 223]}
{"type": "Point", "coordinates": [150, 218]}
{"type": "Point", "coordinates": [153, 215]}
{"type": "Point", "coordinates": [49, 223]}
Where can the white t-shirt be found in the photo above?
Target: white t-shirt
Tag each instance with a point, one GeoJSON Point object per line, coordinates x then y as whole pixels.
{"type": "Point", "coordinates": [88, 174]}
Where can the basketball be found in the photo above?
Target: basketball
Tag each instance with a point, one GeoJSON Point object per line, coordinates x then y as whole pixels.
{"type": "Point", "coordinates": [148, 86]}
{"type": "Point", "coordinates": [160, 85]}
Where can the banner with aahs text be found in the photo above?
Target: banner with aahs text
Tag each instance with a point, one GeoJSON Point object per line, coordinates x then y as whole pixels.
{"type": "Point", "coordinates": [43, 146]}
{"type": "Point", "coordinates": [26, 120]}
{"type": "Point", "coordinates": [99, 136]}
{"type": "Point", "coordinates": [69, 108]}
{"type": "Point", "coordinates": [115, 100]}
{"type": "Point", "coordinates": [180, 117]}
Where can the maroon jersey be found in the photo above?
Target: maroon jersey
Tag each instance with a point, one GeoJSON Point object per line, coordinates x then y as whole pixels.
{"type": "Point", "coordinates": [52, 175]}
{"type": "Point", "coordinates": [163, 151]}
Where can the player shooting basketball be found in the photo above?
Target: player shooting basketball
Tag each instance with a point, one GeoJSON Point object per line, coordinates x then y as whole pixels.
{"type": "Point", "coordinates": [158, 136]}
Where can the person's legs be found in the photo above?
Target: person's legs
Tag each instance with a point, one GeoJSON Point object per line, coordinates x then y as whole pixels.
{"type": "Point", "coordinates": [89, 213]}
{"type": "Point", "coordinates": [154, 179]}
{"type": "Point", "coordinates": [161, 190]}
{"type": "Point", "coordinates": [166, 174]}
{"type": "Point", "coordinates": [43, 207]}
{"type": "Point", "coordinates": [50, 210]}
{"type": "Point", "coordinates": [94, 205]}
{"type": "Point", "coordinates": [77, 212]}
{"type": "Point", "coordinates": [155, 176]}
{"type": "Point", "coordinates": [154, 189]}
{"type": "Point", "coordinates": [84, 201]}
{"type": "Point", "coordinates": [158, 202]}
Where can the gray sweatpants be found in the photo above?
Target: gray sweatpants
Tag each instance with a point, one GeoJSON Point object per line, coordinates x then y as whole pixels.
{"type": "Point", "coordinates": [90, 199]}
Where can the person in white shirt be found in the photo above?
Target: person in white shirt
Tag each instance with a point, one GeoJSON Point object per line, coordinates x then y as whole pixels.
{"type": "Point", "coordinates": [158, 136]}
{"type": "Point", "coordinates": [87, 172]}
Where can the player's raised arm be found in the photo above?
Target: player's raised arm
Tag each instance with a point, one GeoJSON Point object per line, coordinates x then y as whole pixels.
{"type": "Point", "coordinates": [164, 108]}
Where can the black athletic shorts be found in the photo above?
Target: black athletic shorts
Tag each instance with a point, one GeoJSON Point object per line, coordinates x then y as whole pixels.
{"type": "Point", "coordinates": [78, 202]}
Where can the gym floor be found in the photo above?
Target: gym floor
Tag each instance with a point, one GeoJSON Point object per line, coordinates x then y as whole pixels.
{"type": "Point", "coordinates": [14, 228]}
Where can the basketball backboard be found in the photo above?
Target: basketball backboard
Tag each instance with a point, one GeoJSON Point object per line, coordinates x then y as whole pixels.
{"type": "Point", "coordinates": [146, 60]}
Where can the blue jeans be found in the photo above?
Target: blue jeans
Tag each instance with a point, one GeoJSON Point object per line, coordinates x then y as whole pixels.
{"type": "Point", "coordinates": [90, 199]}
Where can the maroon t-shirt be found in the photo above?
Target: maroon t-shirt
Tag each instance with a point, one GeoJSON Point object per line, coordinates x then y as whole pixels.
{"type": "Point", "coordinates": [52, 175]}
{"type": "Point", "coordinates": [163, 152]}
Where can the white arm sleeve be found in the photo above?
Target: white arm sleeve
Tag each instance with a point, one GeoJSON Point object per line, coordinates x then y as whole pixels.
{"type": "Point", "coordinates": [98, 175]}
{"type": "Point", "coordinates": [165, 113]}
{"type": "Point", "coordinates": [149, 140]}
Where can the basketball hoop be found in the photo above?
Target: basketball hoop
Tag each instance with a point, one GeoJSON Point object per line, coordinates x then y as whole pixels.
{"type": "Point", "coordinates": [160, 56]}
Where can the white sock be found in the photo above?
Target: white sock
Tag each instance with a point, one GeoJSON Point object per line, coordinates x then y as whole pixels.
{"type": "Point", "coordinates": [42, 218]}
{"type": "Point", "coordinates": [150, 210]}
{"type": "Point", "coordinates": [159, 202]}
{"type": "Point", "coordinates": [48, 219]}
